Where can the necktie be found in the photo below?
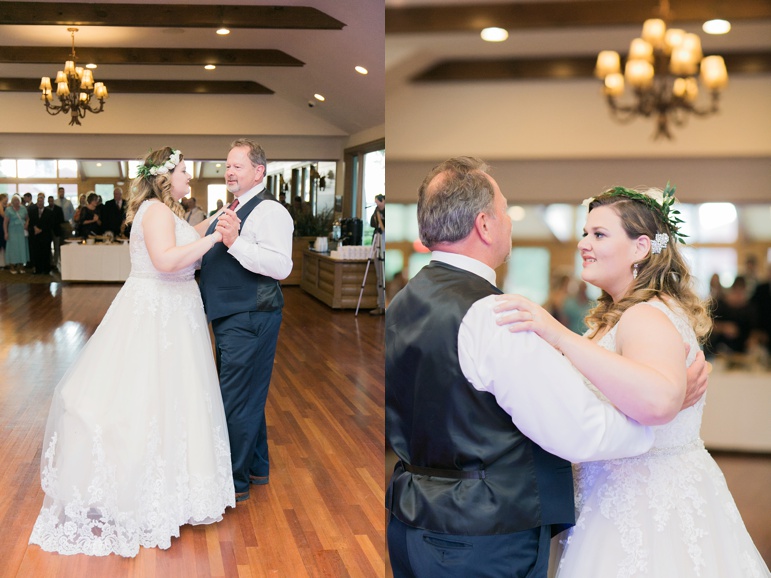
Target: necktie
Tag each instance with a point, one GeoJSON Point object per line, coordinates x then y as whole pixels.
{"type": "Point", "coordinates": [233, 205]}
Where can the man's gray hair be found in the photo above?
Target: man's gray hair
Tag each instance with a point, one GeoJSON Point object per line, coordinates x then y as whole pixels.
{"type": "Point", "coordinates": [451, 197]}
{"type": "Point", "coordinates": [256, 154]}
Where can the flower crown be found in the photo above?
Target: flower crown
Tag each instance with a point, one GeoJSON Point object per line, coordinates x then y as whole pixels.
{"type": "Point", "coordinates": [147, 171]}
{"type": "Point", "coordinates": [662, 206]}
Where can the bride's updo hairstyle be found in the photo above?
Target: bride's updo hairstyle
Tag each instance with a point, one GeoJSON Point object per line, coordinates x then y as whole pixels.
{"type": "Point", "coordinates": [663, 273]}
{"type": "Point", "coordinates": [153, 181]}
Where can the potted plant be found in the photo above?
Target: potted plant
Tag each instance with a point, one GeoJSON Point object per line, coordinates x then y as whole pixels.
{"type": "Point", "coordinates": [307, 227]}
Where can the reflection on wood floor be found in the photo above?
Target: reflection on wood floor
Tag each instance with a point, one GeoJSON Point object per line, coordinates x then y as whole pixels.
{"type": "Point", "coordinates": [321, 514]}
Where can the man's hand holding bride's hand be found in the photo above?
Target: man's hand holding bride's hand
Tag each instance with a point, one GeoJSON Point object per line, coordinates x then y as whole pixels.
{"type": "Point", "coordinates": [521, 314]}
{"type": "Point", "coordinates": [227, 226]}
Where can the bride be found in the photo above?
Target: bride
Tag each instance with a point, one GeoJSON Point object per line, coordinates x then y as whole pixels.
{"type": "Point", "coordinates": [667, 513]}
{"type": "Point", "coordinates": [133, 452]}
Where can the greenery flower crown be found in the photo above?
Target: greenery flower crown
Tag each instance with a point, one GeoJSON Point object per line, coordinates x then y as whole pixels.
{"type": "Point", "coordinates": [662, 206]}
{"type": "Point", "coordinates": [148, 171]}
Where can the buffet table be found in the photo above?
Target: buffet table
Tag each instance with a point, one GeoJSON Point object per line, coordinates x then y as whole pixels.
{"type": "Point", "coordinates": [736, 416]}
{"type": "Point", "coordinates": [337, 282]}
{"type": "Point", "coordinates": [98, 262]}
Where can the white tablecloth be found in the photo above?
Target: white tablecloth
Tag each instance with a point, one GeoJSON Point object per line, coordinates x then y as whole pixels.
{"type": "Point", "coordinates": [98, 262]}
{"type": "Point", "coordinates": [738, 411]}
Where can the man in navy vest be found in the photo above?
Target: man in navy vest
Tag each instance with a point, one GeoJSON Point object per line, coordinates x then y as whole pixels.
{"type": "Point", "coordinates": [484, 422]}
{"type": "Point", "coordinates": [243, 301]}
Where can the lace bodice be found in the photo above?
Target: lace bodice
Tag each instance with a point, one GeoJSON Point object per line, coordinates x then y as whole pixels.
{"type": "Point", "coordinates": [664, 514]}
{"type": "Point", "coordinates": [684, 429]}
{"type": "Point", "coordinates": [141, 265]}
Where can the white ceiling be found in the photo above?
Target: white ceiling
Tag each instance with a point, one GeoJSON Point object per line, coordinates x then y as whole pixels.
{"type": "Point", "coordinates": [353, 103]}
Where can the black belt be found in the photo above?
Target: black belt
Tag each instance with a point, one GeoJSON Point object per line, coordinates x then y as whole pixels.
{"type": "Point", "coordinates": [454, 474]}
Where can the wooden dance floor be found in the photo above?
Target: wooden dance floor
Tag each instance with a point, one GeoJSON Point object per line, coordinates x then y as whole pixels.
{"type": "Point", "coordinates": [322, 513]}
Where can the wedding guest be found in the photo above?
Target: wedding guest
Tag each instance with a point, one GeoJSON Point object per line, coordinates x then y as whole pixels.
{"type": "Point", "coordinates": [81, 203]}
{"type": "Point", "coordinates": [115, 212]}
{"type": "Point", "coordinates": [40, 227]}
{"type": "Point", "coordinates": [576, 306]}
{"type": "Point", "coordinates": [56, 232]}
{"type": "Point", "coordinates": [761, 301]}
{"type": "Point", "coordinates": [88, 222]}
{"type": "Point", "coordinates": [3, 205]}
{"type": "Point", "coordinates": [130, 456]}
{"type": "Point", "coordinates": [68, 210]}
{"type": "Point", "coordinates": [194, 215]}
{"type": "Point", "coordinates": [219, 207]}
{"type": "Point", "coordinates": [735, 319]}
{"type": "Point", "coordinates": [15, 230]}
{"type": "Point", "coordinates": [668, 511]}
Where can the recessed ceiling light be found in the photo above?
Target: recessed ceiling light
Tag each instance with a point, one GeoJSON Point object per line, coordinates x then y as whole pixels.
{"type": "Point", "coordinates": [716, 26]}
{"type": "Point", "coordinates": [223, 31]}
{"type": "Point", "coordinates": [494, 34]}
{"type": "Point", "coordinates": [91, 65]}
{"type": "Point", "coordinates": [210, 67]}
{"type": "Point", "coordinates": [361, 70]}
{"type": "Point", "coordinates": [99, 164]}
{"type": "Point", "coordinates": [319, 97]}
{"type": "Point", "coordinates": [218, 165]}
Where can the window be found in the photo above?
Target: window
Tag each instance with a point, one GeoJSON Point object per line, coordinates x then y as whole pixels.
{"type": "Point", "coordinates": [216, 193]}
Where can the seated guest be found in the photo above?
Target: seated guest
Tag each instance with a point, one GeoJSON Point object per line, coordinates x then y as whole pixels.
{"type": "Point", "coordinates": [734, 320]}
{"type": "Point", "coordinates": [89, 222]}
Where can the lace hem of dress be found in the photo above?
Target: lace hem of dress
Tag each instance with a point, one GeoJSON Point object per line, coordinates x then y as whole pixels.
{"type": "Point", "coordinates": [167, 497]}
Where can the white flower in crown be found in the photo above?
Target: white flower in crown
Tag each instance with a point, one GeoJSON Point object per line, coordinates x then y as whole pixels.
{"type": "Point", "coordinates": [587, 202]}
{"type": "Point", "coordinates": [659, 243]}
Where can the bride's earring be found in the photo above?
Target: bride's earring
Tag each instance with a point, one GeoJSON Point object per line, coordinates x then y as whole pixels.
{"type": "Point", "coordinates": [635, 270]}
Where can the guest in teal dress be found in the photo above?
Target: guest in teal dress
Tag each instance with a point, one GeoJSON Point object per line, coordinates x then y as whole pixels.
{"type": "Point", "coordinates": [14, 227]}
{"type": "Point", "coordinates": [3, 208]}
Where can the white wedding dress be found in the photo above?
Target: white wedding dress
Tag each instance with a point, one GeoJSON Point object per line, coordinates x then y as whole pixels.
{"type": "Point", "coordinates": [136, 443]}
{"type": "Point", "coordinates": [665, 514]}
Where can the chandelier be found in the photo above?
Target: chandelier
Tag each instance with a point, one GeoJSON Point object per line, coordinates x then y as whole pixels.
{"type": "Point", "coordinates": [662, 69]}
{"type": "Point", "coordinates": [75, 89]}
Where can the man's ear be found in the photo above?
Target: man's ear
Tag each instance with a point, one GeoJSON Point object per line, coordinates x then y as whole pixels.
{"type": "Point", "coordinates": [482, 227]}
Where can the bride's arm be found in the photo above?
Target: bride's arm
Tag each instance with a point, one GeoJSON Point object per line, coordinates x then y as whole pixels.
{"type": "Point", "coordinates": [646, 379]}
{"type": "Point", "coordinates": [158, 228]}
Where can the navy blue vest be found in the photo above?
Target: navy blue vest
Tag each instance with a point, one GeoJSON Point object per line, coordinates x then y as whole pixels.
{"type": "Point", "coordinates": [226, 287]}
{"type": "Point", "coordinates": [491, 479]}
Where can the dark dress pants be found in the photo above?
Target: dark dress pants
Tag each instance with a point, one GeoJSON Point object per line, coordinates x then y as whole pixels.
{"type": "Point", "coordinates": [246, 346]}
{"type": "Point", "coordinates": [417, 553]}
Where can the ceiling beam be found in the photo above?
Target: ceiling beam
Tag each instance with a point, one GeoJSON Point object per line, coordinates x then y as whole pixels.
{"type": "Point", "coordinates": [166, 15]}
{"type": "Point", "coordinates": [167, 56]}
{"type": "Point", "coordinates": [151, 86]}
{"type": "Point", "coordinates": [528, 14]}
{"type": "Point", "coordinates": [560, 68]}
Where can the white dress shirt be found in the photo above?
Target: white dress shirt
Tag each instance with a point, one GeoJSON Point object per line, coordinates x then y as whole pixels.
{"type": "Point", "coordinates": [538, 387]}
{"type": "Point", "coordinates": [264, 244]}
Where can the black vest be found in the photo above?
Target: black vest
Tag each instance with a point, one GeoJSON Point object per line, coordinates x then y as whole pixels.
{"type": "Point", "coordinates": [226, 287]}
{"type": "Point", "coordinates": [436, 419]}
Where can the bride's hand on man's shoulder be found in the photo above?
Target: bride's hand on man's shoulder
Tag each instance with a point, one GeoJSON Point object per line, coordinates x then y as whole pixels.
{"type": "Point", "coordinates": [521, 314]}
